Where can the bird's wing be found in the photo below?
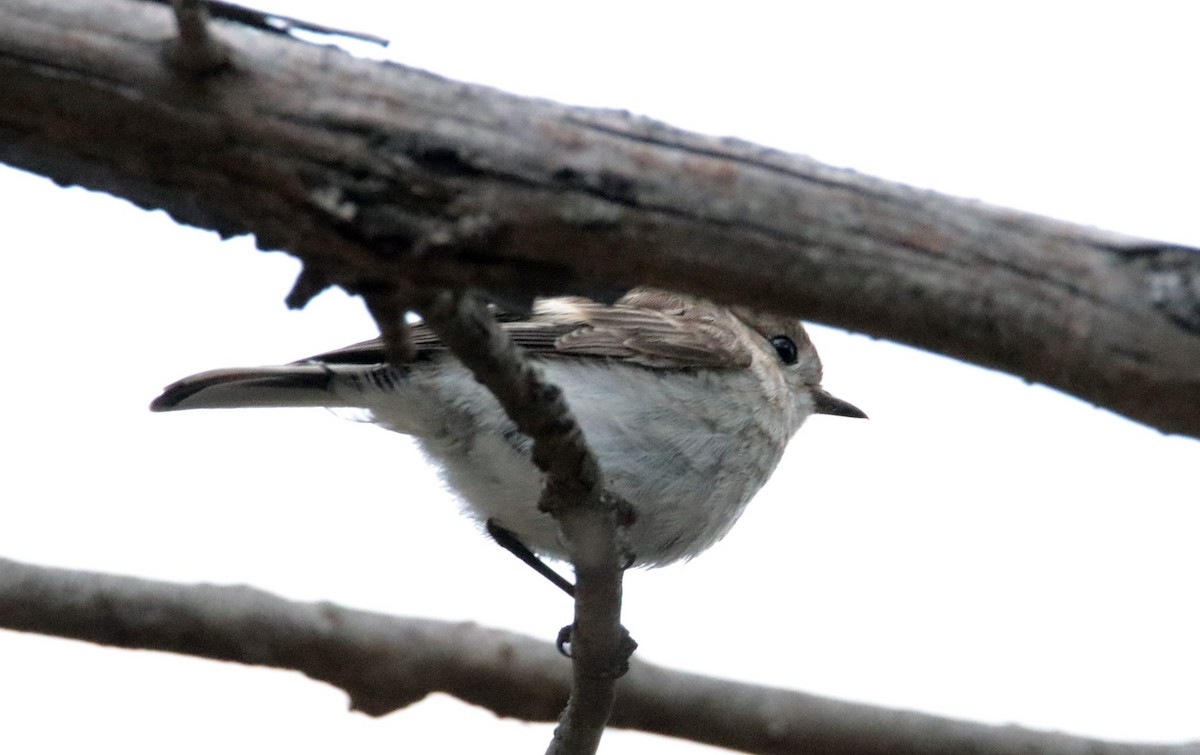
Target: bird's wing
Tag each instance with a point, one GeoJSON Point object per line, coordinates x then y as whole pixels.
{"type": "Point", "coordinates": [646, 327]}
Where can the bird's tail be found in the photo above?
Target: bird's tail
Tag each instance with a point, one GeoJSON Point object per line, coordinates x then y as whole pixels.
{"type": "Point", "coordinates": [286, 385]}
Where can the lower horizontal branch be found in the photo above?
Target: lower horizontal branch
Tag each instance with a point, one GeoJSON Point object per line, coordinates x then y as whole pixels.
{"type": "Point", "coordinates": [385, 663]}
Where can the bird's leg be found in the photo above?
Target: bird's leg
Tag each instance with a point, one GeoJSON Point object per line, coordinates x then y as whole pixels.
{"type": "Point", "coordinates": [513, 545]}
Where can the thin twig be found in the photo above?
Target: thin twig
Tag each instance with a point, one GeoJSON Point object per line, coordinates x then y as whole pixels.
{"type": "Point", "coordinates": [573, 493]}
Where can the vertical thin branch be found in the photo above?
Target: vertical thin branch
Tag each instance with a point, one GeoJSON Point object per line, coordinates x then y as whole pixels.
{"type": "Point", "coordinates": [573, 493]}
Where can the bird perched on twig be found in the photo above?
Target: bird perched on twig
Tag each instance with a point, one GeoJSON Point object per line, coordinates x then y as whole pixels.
{"type": "Point", "coordinates": [688, 406]}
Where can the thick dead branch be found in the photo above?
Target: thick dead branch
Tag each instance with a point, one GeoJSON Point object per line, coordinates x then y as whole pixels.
{"type": "Point", "coordinates": [370, 172]}
{"type": "Point", "coordinates": [386, 663]}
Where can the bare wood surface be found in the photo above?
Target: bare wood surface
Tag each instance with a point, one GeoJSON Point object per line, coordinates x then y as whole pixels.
{"type": "Point", "coordinates": [369, 172]}
{"type": "Point", "coordinates": [386, 663]}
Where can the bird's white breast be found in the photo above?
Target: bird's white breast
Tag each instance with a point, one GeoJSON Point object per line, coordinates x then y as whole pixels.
{"type": "Point", "coordinates": [688, 448]}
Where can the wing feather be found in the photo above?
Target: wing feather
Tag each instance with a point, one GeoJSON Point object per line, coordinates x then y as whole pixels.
{"type": "Point", "coordinates": [647, 327]}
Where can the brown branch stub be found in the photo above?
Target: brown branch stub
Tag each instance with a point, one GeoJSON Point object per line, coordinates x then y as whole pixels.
{"type": "Point", "coordinates": [309, 283]}
{"type": "Point", "coordinates": [386, 663]}
{"type": "Point", "coordinates": [195, 52]}
{"type": "Point", "coordinates": [389, 307]}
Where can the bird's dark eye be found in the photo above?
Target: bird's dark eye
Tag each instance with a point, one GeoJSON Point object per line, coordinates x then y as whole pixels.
{"type": "Point", "coordinates": [785, 348]}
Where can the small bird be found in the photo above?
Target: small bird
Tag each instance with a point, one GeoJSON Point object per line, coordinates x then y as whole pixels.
{"type": "Point", "coordinates": [687, 405]}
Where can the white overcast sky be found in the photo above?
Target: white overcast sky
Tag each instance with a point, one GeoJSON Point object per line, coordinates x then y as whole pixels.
{"type": "Point", "coordinates": [981, 548]}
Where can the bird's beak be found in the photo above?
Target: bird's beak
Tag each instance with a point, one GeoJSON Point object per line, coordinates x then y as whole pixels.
{"type": "Point", "coordinates": [826, 403]}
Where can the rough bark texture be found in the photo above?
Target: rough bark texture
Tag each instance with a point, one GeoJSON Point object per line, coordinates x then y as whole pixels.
{"type": "Point", "coordinates": [385, 663]}
{"type": "Point", "coordinates": [369, 171]}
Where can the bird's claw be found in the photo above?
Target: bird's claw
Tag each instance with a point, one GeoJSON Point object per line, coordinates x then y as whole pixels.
{"type": "Point", "coordinates": [620, 663]}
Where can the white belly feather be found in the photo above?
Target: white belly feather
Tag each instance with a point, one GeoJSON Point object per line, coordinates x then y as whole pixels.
{"type": "Point", "coordinates": [688, 469]}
